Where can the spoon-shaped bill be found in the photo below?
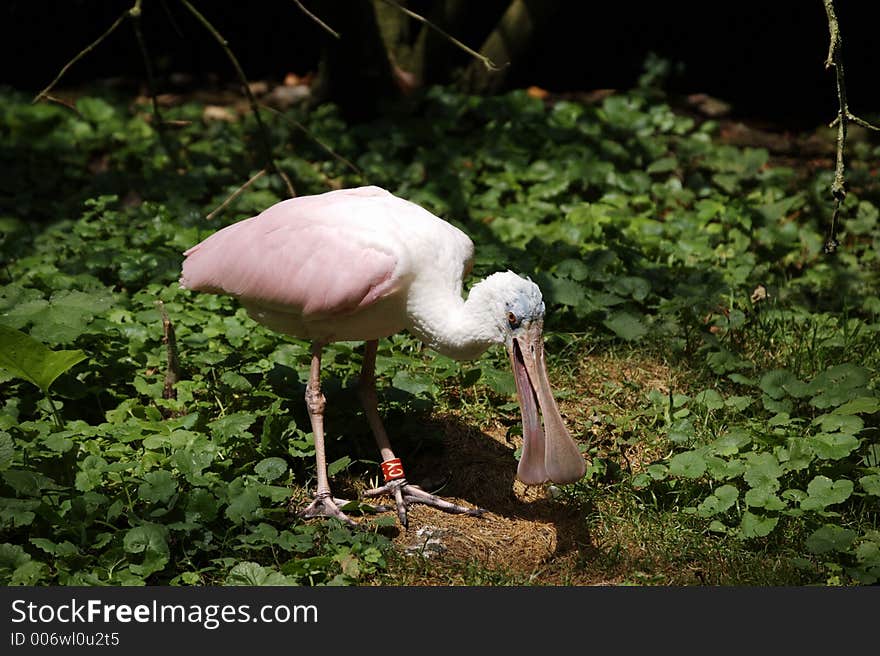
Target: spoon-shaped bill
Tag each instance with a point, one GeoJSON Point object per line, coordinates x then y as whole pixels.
{"type": "Point", "coordinates": [549, 452]}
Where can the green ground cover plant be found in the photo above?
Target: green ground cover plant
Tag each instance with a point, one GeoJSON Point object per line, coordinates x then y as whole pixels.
{"type": "Point", "coordinates": [648, 234]}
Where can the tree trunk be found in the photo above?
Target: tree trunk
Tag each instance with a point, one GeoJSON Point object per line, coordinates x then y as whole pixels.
{"type": "Point", "coordinates": [508, 43]}
{"type": "Point", "coordinates": [355, 72]}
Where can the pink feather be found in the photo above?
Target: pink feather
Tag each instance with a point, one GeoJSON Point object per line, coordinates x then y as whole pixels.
{"type": "Point", "coordinates": [279, 259]}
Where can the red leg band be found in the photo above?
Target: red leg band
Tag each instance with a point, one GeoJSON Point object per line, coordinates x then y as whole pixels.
{"type": "Point", "coordinates": [392, 469]}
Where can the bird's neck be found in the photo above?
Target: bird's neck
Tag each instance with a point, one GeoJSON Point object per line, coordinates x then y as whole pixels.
{"type": "Point", "coordinates": [452, 326]}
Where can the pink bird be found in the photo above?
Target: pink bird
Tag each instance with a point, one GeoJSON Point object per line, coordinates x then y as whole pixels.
{"type": "Point", "coordinates": [362, 264]}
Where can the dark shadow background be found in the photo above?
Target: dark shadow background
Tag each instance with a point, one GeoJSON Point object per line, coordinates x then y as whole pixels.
{"type": "Point", "coordinates": [766, 58]}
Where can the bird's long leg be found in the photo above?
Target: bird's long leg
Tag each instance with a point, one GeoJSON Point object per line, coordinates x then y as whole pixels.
{"type": "Point", "coordinates": [324, 504]}
{"type": "Point", "coordinates": [396, 485]}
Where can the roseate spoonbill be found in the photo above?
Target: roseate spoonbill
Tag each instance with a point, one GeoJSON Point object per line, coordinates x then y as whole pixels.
{"type": "Point", "coordinates": [361, 264]}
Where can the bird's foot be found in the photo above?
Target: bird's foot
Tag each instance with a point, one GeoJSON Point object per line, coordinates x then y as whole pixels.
{"type": "Point", "coordinates": [406, 494]}
{"type": "Point", "coordinates": [325, 505]}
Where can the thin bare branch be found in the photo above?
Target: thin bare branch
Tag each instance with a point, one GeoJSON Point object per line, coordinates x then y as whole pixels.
{"type": "Point", "coordinates": [82, 53]}
{"type": "Point", "coordinates": [264, 135]}
{"type": "Point", "coordinates": [135, 14]}
{"type": "Point", "coordinates": [852, 118]}
{"type": "Point", "coordinates": [235, 194]}
{"type": "Point", "coordinates": [844, 116]}
{"type": "Point", "coordinates": [488, 63]}
{"type": "Point", "coordinates": [311, 136]}
{"type": "Point", "coordinates": [324, 25]}
{"type": "Point", "coordinates": [61, 101]}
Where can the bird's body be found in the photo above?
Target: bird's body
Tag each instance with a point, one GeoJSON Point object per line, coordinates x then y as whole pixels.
{"type": "Point", "coordinates": [393, 265]}
{"type": "Point", "coordinates": [363, 264]}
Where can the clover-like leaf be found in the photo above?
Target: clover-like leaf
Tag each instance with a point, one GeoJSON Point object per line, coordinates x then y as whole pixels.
{"type": "Point", "coordinates": [690, 464]}
{"type": "Point", "coordinates": [269, 469]}
{"type": "Point", "coordinates": [773, 382]}
{"type": "Point", "coordinates": [833, 446]}
{"type": "Point", "coordinates": [626, 325]}
{"type": "Point", "coordinates": [763, 471]}
{"type": "Point", "coordinates": [244, 501]}
{"type": "Point", "coordinates": [24, 357]}
{"type": "Point", "coordinates": [152, 541]}
{"type": "Point", "coordinates": [830, 538]}
{"type": "Point", "coordinates": [823, 492]}
{"type": "Point", "coordinates": [7, 450]}
{"type": "Point", "coordinates": [250, 573]}
{"type": "Point", "coordinates": [763, 498]}
{"type": "Point", "coordinates": [721, 500]}
{"type": "Point", "coordinates": [710, 399]}
{"type": "Point", "coordinates": [839, 384]}
{"type": "Point", "coordinates": [756, 526]}
{"type": "Point", "coordinates": [731, 442]}
{"type": "Point", "coordinates": [158, 486]}
{"type": "Point", "coordinates": [871, 484]}
{"type": "Point", "coordinates": [860, 405]}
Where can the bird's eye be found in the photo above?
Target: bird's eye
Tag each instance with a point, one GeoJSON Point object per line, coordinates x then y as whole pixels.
{"type": "Point", "coordinates": [512, 320]}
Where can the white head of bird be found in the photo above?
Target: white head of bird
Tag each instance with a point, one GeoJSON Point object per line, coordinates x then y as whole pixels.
{"type": "Point", "coordinates": [517, 310]}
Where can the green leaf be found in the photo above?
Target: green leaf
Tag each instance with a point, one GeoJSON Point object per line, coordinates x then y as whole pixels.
{"type": "Point", "coordinates": [564, 291]}
{"type": "Point", "coordinates": [721, 500]}
{"type": "Point", "coordinates": [710, 399]}
{"type": "Point", "coordinates": [243, 501]}
{"type": "Point", "coordinates": [762, 471]}
{"type": "Point", "coordinates": [833, 446]}
{"type": "Point", "coordinates": [830, 538]}
{"type": "Point", "coordinates": [871, 484]}
{"type": "Point", "coordinates": [249, 573]}
{"type": "Point", "coordinates": [7, 450]}
{"type": "Point", "coordinates": [23, 356]}
{"type": "Point", "coordinates": [232, 426]}
{"type": "Point", "coordinates": [152, 541]}
{"type": "Point", "coordinates": [838, 385]}
{"type": "Point", "coordinates": [338, 465]}
{"type": "Point", "coordinates": [17, 512]}
{"type": "Point", "coordinates": [269, 469]}
{"type": "Point", "coordinates": [501, 382]}
{"type": "Point", "coordinates": [91, 473]}
{"type": "Point", "coordinates": [732, 442]}
{"type": "Point", "coordinates": [861, 405]}
{"type": "Point", "coordinates": [756, 526]}
{"type": "Point", "coordinates": [773, 383]}
{"type": "Point", "coordinates": [17, 567]}
{"type": "Point", "coordinates": [662, 165]}
{"type": "Point", "coordinates": [158, 486]}
{"type": "Point", "coordinates": [833, 421]}
{"type": "Point", "coordinates": [798, 454]}
{"type": "Point", "coordinates": [626, 326]}
{"type": "Point", "coordinates": [631, 286]}
{"type": "Point", "coordinates": [417, 385]}
{"type": "Point", "coordinates": [690, 464]}
{"type": "Point", "coordinates": [823, 492]}
{"type": "Point", "coordinates": [762, 498]}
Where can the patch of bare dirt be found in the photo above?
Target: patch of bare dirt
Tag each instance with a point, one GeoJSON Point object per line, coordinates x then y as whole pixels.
{"type": "Point", "coordinates": [526, 533]}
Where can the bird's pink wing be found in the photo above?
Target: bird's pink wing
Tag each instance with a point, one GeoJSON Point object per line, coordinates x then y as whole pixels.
{"type": "Point", "coordinates": [286, 261]}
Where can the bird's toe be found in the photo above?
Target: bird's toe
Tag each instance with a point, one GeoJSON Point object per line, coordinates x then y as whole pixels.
{"type": "Point", "coordinates": [326, 506]}
{"type": "Point", "coordinates": [406, 494]}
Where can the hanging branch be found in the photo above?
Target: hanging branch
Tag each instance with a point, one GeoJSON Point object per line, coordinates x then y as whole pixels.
{"type": "Point", "coordinates": [235, 194]}
{"type": "Point", "coordinates": [82, 53]}
{"type": "Point", "coordinates": [844, 116]}
{"type": "Point", "coordinates": [488, 63]}
{"type": "Point", "coordinates": [324, 25]}
{"type": "Point", "coordinates": [135, 15]}
{"type": "Point", "coordinates": [264, 135]}
{"type": "Point", "coordinates": [320, 143]}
